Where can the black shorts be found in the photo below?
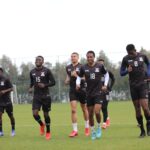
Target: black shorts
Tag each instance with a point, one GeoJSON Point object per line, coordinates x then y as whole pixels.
{"type": "Point", "coordinates": [78, 96]}
{"type": "Point", "coordinates": [8, 108]}
{"type": "Point", "coordinates": [139, 92]}
{"type": "Point", "coordinates": [44, 102]}
{"type": "Point", "coordinates": [91, 101]}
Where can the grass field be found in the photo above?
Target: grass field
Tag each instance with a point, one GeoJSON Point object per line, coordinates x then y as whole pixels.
{"type": "Point", "coordinates": [122, 135]}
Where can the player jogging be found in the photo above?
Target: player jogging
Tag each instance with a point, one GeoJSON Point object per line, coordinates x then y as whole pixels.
{"type": "Point", "coordinates": [106, 118]}
{"type": "Point", "coordinates": [73, 71]}
{"type": "Point", "coordinates": [92, 72]}
{"type": "Point", "coordinates": [133, 64]}
{"type": "Point", "coordinates": [41, 79]}
{"type": "Point", "coordinates": [5, 102]}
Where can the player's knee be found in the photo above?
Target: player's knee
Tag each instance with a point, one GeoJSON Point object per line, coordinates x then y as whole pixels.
{"type": "Point", "coordinates": [73, 111]}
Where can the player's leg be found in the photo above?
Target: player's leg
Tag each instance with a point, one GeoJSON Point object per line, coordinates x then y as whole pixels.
{"type": "Point", "coordinates": [97, 109]}
{"type": "Point", "coordinates": [139, 116]}
{"type": "Point", "coordinates": [136, 102]}
{"type": "Point", "coordinates": [91, 121]}
{"type": "Point", "coordinates": [9, 110]}
{"type": "Point", "coordinates": [46, 108]}
{"type": "Point", "coordinates": [144, 105]}
{"type": "Point", "coordinates": [36, 105]}
{"type": "Point", "coordinates": [143, 92]}
{"type": "Point", "coordinates": [83, 104]}
{"type": "Point", "coordinates": [105, 113]}
{"type": "Point", "coordinates": [1, 128]}
{"type": "Point", "coordinates": [73, 105]}
{"type": "Point", "coordinates": [86, 118]}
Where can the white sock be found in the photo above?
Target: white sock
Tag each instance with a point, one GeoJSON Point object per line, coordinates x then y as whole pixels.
{"type": "Point", "coordinates": [98, 125]}
{"type": "Point", "coordinates": [92, 128]}
{"type": "Point", "coordinates": [86, 124]}
{"type": "Point", "coordinates": [75, 128]}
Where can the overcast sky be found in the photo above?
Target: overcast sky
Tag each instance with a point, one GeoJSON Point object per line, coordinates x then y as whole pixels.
{"type": "Point", "coordinates": [59, 27]}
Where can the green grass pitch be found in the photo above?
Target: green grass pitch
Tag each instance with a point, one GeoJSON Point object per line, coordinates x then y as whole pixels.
{"type": "Point", "coordinates": [121, 135]}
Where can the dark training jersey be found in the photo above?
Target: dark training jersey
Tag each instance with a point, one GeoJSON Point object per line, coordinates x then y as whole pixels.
{"type": "Point", "coordinates": [44, 76]}
{"type": "Point", "coordinates": [69, 69]}
{"type": "Point", "coordinates": [93, 78]}
{"type": "Point", "coordinates": [4, 85]}
{"type": "Point", "coordinates": [137, 75]}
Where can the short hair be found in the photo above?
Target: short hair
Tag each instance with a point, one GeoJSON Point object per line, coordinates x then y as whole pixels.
{"type": "Point", "coordinates": [41, 57]}
{"type": "Point", "coordinates": [1, 69]}
{"type": "Point", "coordinates": [101, 59]}
{"type": "Point", "coordinates": [130, 47]}
{"type": "Point", "coordinates": [91, 52]}
{"type": "Point", "coordinates": [75, 53]}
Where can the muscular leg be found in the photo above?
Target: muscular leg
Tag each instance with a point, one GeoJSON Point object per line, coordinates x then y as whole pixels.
{"type": "Point", "coordinates": [12, 119]}
{"type": "Point", "coordinates": [47, 121]}
{"type": "Point", "coordinates": [105, 111]}
{"type": "Point", "coordinates": [139, 116]}
{"type": "Point", "coordinates": [144, 104]}
{"type": "Point", "coordinates": [85, 114]}
{"type": "Point", "coordinates": [37, 117]}
{"type": "Point", "coordinates": [97, 109]}
{"type": "Point", "coordinates": [73, 105]}
{"type": "Point", "coordinates": [91, 115]}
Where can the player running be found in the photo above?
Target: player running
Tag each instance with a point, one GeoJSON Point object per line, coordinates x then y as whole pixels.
{"type": "Point", "coordinates": [5, 102]}
{"type": "Point", "coordinates": [41, 79]}
{"type": "Point", "coordinates": [92, 72]}
{"type": "Point", "coordinates": [72, 71]}
{"type": "Point", "coordinates": [133, 64]}
{"type": "Point", "coordinates": [106, 118]}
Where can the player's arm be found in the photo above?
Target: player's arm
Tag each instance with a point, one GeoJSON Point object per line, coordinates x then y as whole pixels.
{"type": "Point", "coordinates": [106, 78]}
{"type": "Point", "coordinates": [51, 80]}
{"type": "Point", "coordinates": [79, 78]}
{"type": "Point", "coordinates": [67, 80]}
{"type": "Point", "coordinates": [111, 75]}
{"type": "Point", "coordinates": [9, 87]}
{"type": "Point", "coordinates": [123, 68]}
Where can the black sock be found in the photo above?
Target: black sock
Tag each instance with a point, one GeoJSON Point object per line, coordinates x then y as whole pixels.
{"type": "Point", "coordinates": [148, 120]}
{"type": "Point", "coordinates": [12, 120]}
{"type": "Point", "coordinates": [140, 122]}
{"type": "Point", "coordinates": [47, 122]}
{"type": "Point", "coordinates": [105, 114]}
{"type": "Point", "coordinates": [1, 127]}
{"type": "Point", "coordinates": [38, 119]}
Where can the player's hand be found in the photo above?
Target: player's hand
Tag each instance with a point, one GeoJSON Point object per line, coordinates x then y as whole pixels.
{"type": "Point", "coordinates": [30, 90]}
{"type": "Point", "coordinates": [77, 87]}
{"type": "Point", "coordinates": [130, 68]}
{"type": "Point", "coordinates": [41, 85]}
{"type": "Point", "coordinates": [67, 82]}
{"type": "Point", "coordinates": [104, 88]}
{"type": "Point", "coordinates": [74, 74]}
{"type": "Point", "coordinates": [2, 92]}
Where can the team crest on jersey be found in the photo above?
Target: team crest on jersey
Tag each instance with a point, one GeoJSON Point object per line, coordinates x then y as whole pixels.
{"type": "Point", "coordinates": [140, 58]}
{"type": "Point", "coordinates": [42, 74]}
{"type": "Point", "coordinates": [136, 63]}
{"type": "Point", "coordinates": [69, 69]}
{"type": "Point", "coordinates": [96, 69]}
{"type": "Point", "coordinates": [77, 69]}
{"type": "Point", "coordinates": [33, 74]}
{"type": "Point", "coordinates": [2, 83]}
